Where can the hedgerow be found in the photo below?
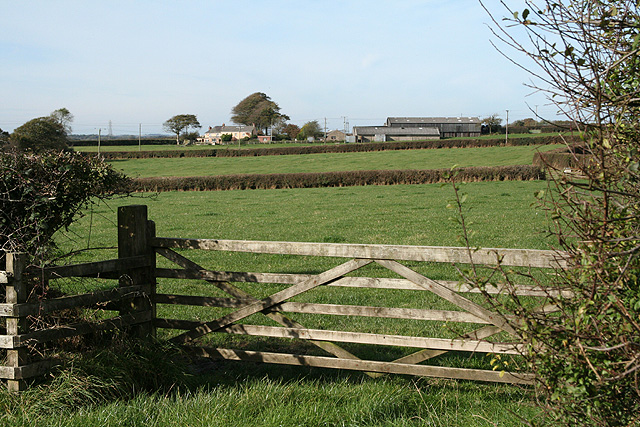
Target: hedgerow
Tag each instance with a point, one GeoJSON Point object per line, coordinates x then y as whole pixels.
{"type": "Point", "coordinates": [334, 148]}
{"type": "Point", "coordinates": [333, 179]}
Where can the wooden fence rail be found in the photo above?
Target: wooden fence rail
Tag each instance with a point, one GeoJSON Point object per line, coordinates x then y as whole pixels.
{"type": "Point", "coordinates": [134, 300]}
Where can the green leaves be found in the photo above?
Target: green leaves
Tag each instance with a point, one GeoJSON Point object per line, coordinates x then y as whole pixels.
{"type": "Point", "coordinates": [41, 193]}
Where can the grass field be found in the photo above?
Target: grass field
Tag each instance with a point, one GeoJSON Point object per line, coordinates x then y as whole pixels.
{"type": "Point", "coordinates": [377, 160]}
{"type": "Point", "coordinates": [103, 387]}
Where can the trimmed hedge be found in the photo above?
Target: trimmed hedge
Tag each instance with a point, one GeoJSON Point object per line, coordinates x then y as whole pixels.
{"type": "Point", "coordinates": [335, 179]}
{"type": "Point", "coordinates": [334, 148]}
{"type": "Point", "coordinates": [122, 142]}
{"type": "Point", "coordinates": [572, 156]}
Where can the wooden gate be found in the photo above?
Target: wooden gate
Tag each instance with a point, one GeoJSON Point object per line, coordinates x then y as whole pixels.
{"type": "Point", "coordinates": [292, 294]}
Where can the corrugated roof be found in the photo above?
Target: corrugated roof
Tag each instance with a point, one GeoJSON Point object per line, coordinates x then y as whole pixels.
{"type": "Point", "coordinates": [386, 130]}
{"type": "Point", "coordinates": [432, 120]}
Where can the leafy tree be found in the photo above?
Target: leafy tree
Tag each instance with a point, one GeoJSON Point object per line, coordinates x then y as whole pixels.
{"type": "Point", "coordinates": [43, 133]}
{"type": "Point", "coordinates": [226, 137]}
{"type": "Point", "coordinates": [492, 123]}
{"type": "Point", "coordinates": [259, 110]}
{"type": "Point", "coordinates": [181, 122]}
{"type": "Point", "coordinates": [311, 129]}
{"type": "Point", "coordinates": [291, 131]}
{"type": "Point", "coordinates": [587, 354]}
{"type": "Point", "coordinates": [64, 117]}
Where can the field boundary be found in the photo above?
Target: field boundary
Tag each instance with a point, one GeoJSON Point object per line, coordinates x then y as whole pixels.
{"type": "Point", "coordinates": [134, 300]}
{"type": "Point", "coordinates": [229, 151]}
{"type": "Point", "coordinates": [335, 179]}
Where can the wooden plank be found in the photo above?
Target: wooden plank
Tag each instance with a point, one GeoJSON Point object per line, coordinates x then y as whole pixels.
{"type": "Point", "coordinates": [351, 282]}
{"type": "Point", "coordinates": [62, 303]}
{"type": "Point", "coordinates": [80, 328]}
{"type": "Point", "coordinates": [238, 293]}
{"type": "Point", "coordinates": [327, 309]}
{"type": "Point", "coordinates": [426, 354]}
{"type": "Point", "coordinates": [433, 286]}
{"type": "Point", "coordinates": [469, 345]}
{"type": "Point", "coordinates": [94, 268]}
{"type": "Point", "coordinates": [272, 300]}
{"type": "Point", "coordinates": [27, 371]}
{"type": "Point", "coordinates": [363, 365]}
{"type": "Point", "coordinates": [489, 256]}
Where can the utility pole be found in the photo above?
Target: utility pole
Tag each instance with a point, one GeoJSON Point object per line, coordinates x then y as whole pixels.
{"type": "Point", "coordinates": [99, 132]}
{"type": "Point", "coordinates": [506, 134]}
{"type": "Point", "coordinates": [140, 137]}
{"type": "Point", "coordinates": [325, 130]}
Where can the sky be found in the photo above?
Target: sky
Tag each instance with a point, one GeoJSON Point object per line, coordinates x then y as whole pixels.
{"type": "Point", "coordinates": [134, 64]}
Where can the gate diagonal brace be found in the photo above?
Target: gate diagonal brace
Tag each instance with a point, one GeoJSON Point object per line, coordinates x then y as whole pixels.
{"type": "Point", "coordinates": [495, 319]}
{"type": "Point", "coordinates": [235, 292]}
{"type": "Point", "coordinates": [270, 301]}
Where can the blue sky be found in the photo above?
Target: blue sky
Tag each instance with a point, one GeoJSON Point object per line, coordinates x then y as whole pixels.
{"type": "Point", "coordinates": [141, 62]}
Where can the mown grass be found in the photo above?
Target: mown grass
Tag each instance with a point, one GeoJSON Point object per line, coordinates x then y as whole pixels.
{"type": "Point", "coordinates": [379, 160]}
{"type": "Point", "coordinates": [128, 384]}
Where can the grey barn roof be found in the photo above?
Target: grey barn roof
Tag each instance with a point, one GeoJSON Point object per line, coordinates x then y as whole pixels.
{"type": "Point", "coordinates": [430, 120]}
{"type": "Point", "coordinates": [386, 130]}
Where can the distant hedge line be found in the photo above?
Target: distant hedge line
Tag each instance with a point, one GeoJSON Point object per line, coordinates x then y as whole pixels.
{"type": "Point", "coordinates": [335, 179]}
{"type": "Point", "coordinates": [333, 148]}
{"type": "Point", "coordinates": [122, 142]}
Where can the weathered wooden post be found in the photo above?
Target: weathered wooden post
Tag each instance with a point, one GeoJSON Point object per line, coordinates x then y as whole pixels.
{"type": "Point", "coordinates": [16, 293]}
{"type": "Point", "coordinates": [135, 236]}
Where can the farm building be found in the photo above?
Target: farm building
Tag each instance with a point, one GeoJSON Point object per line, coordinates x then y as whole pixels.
{"type": "Point", "coordinates": [214, 135]}
{"type": "Point", "coordinates": [336, 135]}
{"type": "Point", "coordinates": [448, 126]}
{"type": "Point", "coordinates": [387, 133]}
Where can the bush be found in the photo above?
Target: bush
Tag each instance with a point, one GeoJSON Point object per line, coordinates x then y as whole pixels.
{"type": "Point", "coordinates": [42, 193]}
{"type": "Point", "coordinates": [334, 179]}
{"type": "Point", "coordinates": [340, 148]}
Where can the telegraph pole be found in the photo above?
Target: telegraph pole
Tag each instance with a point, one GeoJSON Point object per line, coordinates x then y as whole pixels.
{"type": "Point", "coordinates": [99, 132]}
{"type": "Point", "coordinates": [506, 134]}
{"type": "Point", "coordinates": [140, 137]}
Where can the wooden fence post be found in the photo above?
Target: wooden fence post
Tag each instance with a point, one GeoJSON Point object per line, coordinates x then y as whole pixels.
{"type": "Point", "coordinates": [135, 234]}
{"type": "Point", "coordinates": [16, 293]}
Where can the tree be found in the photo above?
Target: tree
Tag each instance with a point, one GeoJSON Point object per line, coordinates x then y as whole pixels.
{"type": "Point", "coordinates": [586, 355]}
{"type": "Point", "coordinates": [259, 110]}
{"type": "Point", "coordinates": [64, 117]}
{"type": "Point", "coordinates": [181, 122]}
{"type": "Point", "coordinates": [291, 131]}
{"type": "Point", "coordinates": [43, 133]}
{"type": "Point", "coordinates": [311, 129]}
{"type": "Point", "coordinates": [492, 123]}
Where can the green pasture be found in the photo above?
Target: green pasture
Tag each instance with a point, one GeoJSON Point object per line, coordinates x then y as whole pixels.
{"type": "Point", "coordinates": [375, 160]}
{"type": "Point", "coordinates": [102, 387]}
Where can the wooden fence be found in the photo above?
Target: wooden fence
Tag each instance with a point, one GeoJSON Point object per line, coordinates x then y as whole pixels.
{"type": "Point", "coordinates": [135, 300]}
